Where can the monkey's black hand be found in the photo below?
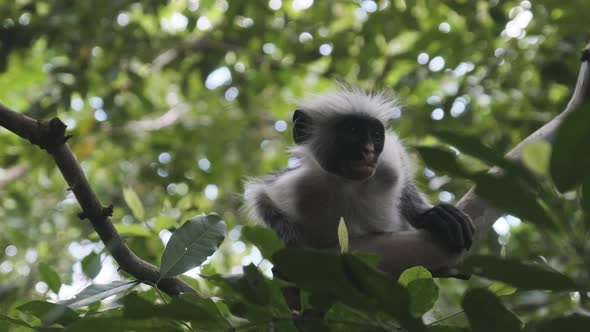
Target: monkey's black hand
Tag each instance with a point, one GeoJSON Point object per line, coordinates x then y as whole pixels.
{"type": "Point", "coordinates": [450, 225]}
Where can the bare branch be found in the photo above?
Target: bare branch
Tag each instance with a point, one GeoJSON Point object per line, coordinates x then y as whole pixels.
{"type": "Point", "coordinates": [9, 175]}
{"type": "Point", "coordinates": [50, 136]}
{"type": "Point", "coordinates": [406, 249]}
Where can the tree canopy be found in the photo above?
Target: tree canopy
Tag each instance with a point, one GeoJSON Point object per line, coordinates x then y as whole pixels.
{"type": "Point", "coordinates": [173, 105]}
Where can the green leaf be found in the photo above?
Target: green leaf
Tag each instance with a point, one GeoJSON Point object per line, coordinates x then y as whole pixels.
{"type": "Point", "coordinates": [414, 273]}
{"type": "Point", "coordinates": [348, 279]}
{"type": "Point", "coordinates": [49, 313]}
{"type": "Point", "coordinates": [517, 273]}
{"type": "Point", "coordinates": [501, 289]}
{"type": "Point", "coordinates": [191, 244]}
{"type": "Point", "coordinates": [97, 292]}
{"type": "Point", "coordinates": [472, 146]}
{"type": "Point", "coordinates": [572, 323]}
{"type": "Point", "coordinates": [50, 277]}
{"type": "Point", "coordinates": [486, 313]}
{"type": "Point", "coordinates": [133, 230]}
{"type": "Point", "coordinates": [91, 265]}
{"type": "Point", "coordinates": [447, 328]}
{"type": "Point", "coordinates": [164, 222]}
{"type": "Point", "coordinates": [264, 238]}
{"type": "Point", "coordinates": [15, 321]}
{"type": "Point", "coordinates": [442, 160]}
{"type": "Point", "coordinates": [505, 192]}
{"type": "Point", "coordinates": [339, 315]}
{"type": "Point", "coordinates": [253, 296]}
{"type": "Point", "coordinates": [536, 157]}
{"type": "Point", "coordinates": [570, 160]}
{"type": "Point", "coordinates": [103, 324]}
{"type": "Point", "coordinates": [423, 295]}
{"type": "Point", "coordinates": [423, 289]}
{"type": "Point", "coordinates": [202, 313]}
{"type": "Point", "coordinates": [134, 203]}
{"type": "Point", "coordinates": [343, 236]}
{"type": "Point", "coordinates": [586, 198]}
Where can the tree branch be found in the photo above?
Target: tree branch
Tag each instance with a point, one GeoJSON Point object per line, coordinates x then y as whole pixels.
{"type": "Point", "coordinates": [12, 174]}
{"type": "Point", "coordinates": [50, 136]}
{"type": "Point", "coordinates": [406, 249]}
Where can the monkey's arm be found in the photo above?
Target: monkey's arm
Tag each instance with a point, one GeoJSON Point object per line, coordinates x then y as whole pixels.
{"type": "Point", "coordinates": [449, 225]}
{"type": "Point", "coordinates": [289, 231]}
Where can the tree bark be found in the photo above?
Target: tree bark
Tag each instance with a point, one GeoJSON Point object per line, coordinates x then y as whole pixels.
{"type": "Point", "coordinates": [50, 136]}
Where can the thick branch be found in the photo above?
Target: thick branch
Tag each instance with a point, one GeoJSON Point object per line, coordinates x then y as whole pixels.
{"type": "Point", "coordinates": [50, 136]}
{"type": "Point", "coordinates": [406, 249]}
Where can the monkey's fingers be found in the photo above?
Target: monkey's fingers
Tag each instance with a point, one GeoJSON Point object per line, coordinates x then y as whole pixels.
{"type": "Point", "coordinates": [464, 221]}
{"type": "Point", "coordinates": [444, 227]}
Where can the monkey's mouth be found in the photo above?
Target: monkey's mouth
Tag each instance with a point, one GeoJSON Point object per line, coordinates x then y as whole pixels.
{"type": "Point", "coordinates": [362, 169]}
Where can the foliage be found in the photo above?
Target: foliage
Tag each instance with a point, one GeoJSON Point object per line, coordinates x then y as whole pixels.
{"type": "Point", "coordinates": [173, 104]}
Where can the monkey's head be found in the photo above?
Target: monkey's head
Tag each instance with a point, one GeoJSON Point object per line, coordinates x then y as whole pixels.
{"type": "Point", "coordinates": [343, 144]}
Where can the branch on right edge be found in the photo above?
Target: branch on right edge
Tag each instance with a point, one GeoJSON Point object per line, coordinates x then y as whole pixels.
{"type": "Point", "coordinates": [484, 215]}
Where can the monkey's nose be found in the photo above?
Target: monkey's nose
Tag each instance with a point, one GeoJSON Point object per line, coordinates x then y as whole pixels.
{"type": "Point", "coordinates": [369, 152]}
{"type": "Point", "coordinates": [369, 147]}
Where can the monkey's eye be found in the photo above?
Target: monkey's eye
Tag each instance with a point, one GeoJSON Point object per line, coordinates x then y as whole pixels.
{"type": "Point", "coordinates": [377, 135]}
{"type": "Point", "coordinates": [354, 129]}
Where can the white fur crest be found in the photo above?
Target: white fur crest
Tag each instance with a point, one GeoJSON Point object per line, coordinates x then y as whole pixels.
{"type": "Point", "coordinates": [350, 100]}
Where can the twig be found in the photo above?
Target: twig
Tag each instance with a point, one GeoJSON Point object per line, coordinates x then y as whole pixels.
{"type": "Point", "coordinates": [13, 174]}
{"type": "Point", "coordinates": [50, 136]}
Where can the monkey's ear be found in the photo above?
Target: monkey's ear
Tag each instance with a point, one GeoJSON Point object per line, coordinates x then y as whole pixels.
{"type": "Point", "coordinates": [301, 127]}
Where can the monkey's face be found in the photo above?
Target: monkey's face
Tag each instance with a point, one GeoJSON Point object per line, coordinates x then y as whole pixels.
{"type": "Point", "coordinates": [350, 146]}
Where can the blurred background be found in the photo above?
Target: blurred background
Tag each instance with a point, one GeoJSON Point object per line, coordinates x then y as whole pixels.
{"type": "Point", "coordinates": [181, 101]}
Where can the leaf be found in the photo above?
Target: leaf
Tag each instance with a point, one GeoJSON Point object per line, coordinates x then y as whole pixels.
{"type": "Point", "coordinates": [202, 313]}
{"type": "Point", "coordinates": [447, 328]}
{"type": "Point", "coordinates": [472, 146]}
{"type": "Point", "coordinates": [586, 198]}
{"type": "Point", "coordinates": [536, 156]}
{"type": "Point", "coordinates": [164, 222]}
{"type": "Point", "coordinates": [104, 324]}
{"type": "Point", "coordinates": [442, 160]}
{"type": "Point", "coordinates": [423, 295]}
{"type": "Point", "coordinates": [253, 296]}
{"type": "Point", "coordinates": [390, 295]}
{"type": "Point", "coordinates": [414, 273]}
{"type": "Point", "coordinates": [189, 246]}
{"type": "Point", "coordinates": [505, 192]}
{"type": "Point", "coordinates": [98, 292]}
{"type": "Point", "coordinates": [15, 321]}
{"type": "Point", "coordinates": [501, 289]}
{"type": "Point", "coordinates": [486, 313]}
{"type": "Point", "coordinates": [264, 238]}
{"type": "Point", "coordinates": [338, 317]}
{"type": "Point", "coordinates": [570, 160]}
{"type": "Point", "coordinates": [517, 273]}
{"type": "Point", "coordinates": [50, 277]}
{"type": "Point", "coordinates": [423, 289]}
{"type": "Point", "coordinates": [134, 203]}
{"type": "Point", "coordinates": [49, 313]}
{"type": "Point", "coordinates": [348, 279]}
{"type": "Point", "coordinates": [343, 236]}
{"type": "Point", "coordinates": [91, 265]}
{"type": "Point", "coordinates": [572, 323]}
{"type": "Point", "coordinates": [132, 230]}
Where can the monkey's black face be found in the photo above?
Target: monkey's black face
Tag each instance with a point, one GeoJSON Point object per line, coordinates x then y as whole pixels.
{"type": "Point", "coordinates": [350, 146]}
{"type": "Point", "coordinates": [353, 152]}
{"type": "Point", "coordinates": [347, 146]}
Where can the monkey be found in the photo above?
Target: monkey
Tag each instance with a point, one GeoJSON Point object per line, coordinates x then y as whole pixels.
{"type": "Point", "coordinates": [349, 166]}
